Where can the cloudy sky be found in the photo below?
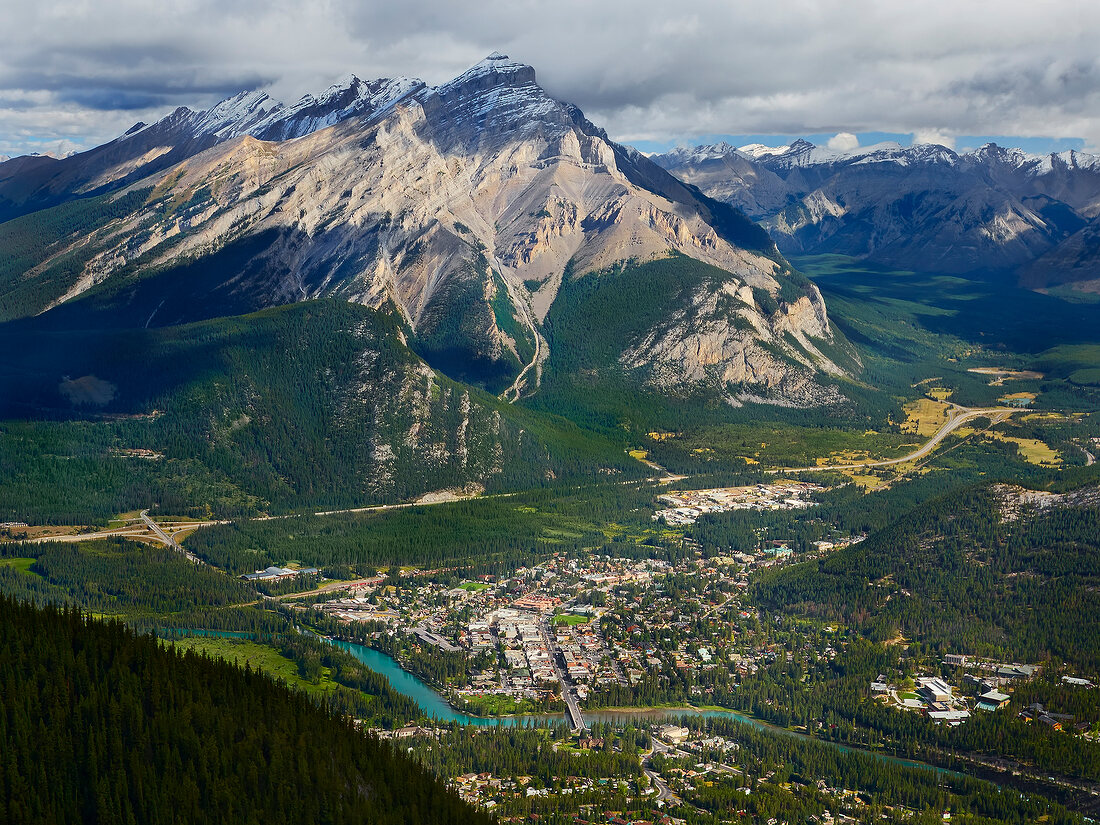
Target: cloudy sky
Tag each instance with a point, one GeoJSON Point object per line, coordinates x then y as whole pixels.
{"type": "Point", "coordinates": [74, 73]}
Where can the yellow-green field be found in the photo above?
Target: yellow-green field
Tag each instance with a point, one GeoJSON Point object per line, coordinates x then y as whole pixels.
{"type": "Point", "coordinates": [925, 416]}
{"type": "Point", "coordinates": [866, 481]}
{"type": "Point", "coordinates": [571, 619]}
{"type": "Point", "coordinates": [1032, 450]}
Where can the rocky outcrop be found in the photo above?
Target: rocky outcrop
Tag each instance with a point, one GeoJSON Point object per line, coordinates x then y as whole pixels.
{"type": "Point", "coordinates": [706, 347]}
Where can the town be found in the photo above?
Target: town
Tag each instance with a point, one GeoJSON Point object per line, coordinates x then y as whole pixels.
{"type": "Point", "coordinates": [566, 641]}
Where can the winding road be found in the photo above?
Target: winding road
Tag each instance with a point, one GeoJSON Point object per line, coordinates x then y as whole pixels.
{"type": "Point", "coordinates": [958, 417]}
{"type": "Point", "coordinates": [664, 792]}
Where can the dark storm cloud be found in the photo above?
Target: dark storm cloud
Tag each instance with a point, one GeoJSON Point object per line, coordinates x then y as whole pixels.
{"type": "Point", "coordinates": [110, 99]}
{"type": "Point", "coordinates": [84, 71]}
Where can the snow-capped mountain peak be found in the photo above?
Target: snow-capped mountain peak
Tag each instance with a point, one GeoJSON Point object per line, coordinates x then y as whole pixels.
{"type": "Point", "coordinates": [495, 69]}
{"type": "Point", "coordinates": [756, 150]}
{"type": "Point", "coordinates": [236, 115]}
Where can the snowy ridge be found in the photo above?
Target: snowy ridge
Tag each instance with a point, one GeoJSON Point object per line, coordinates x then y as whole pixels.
{"type": "Point", "coordinates": [986, 209]}
{"type": "Point", "coordinates": [756, 150]}
{"type": "Point", "coordinates": [256, 113]}
{"type": "Point", "coordinates": [234, 116]}
{"type": "Point", "coordinates": [342, 101]}
{"type": "Point", "coordinates": [803, 154]}
{"type": "Point", "coordinates": [497, 91]}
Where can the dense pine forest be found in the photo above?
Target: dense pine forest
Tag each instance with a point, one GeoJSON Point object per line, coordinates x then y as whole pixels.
{"type": "Point", "coordinates": [102, 725]}
{"type": "Point", "coordinates": [957, 574]}
{"type": "Point", "coordinates": [493, 534]}
{"type": "Point", "coordinates": [313, 405]}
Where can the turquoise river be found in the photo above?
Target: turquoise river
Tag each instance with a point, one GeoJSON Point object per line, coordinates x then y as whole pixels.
{"type": "Point", "coordinates": [436, 707]}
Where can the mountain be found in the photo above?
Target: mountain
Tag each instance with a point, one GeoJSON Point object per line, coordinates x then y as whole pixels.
{"type": "Point", "coordinates": [462, 208]}
{"type": "Point", "coordinates": [134, 731]}
{"type": "Point", "coordinates": [924, 207]}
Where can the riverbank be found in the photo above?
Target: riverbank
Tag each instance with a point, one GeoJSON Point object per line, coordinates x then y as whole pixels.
{"type": "Point", "coordinates": [436, 707]}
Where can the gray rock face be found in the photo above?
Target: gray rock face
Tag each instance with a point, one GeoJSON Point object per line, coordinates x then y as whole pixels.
{"type": "Point", "coordinates": [923, 207]}
{"type": "Point", "coordinates": [462, 207]}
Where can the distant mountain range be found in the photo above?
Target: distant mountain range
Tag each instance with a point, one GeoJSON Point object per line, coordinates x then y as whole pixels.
{"type": "Point", "coordinates": [925, 207]}
{"type": "Point", "coordinates": [462, 208]}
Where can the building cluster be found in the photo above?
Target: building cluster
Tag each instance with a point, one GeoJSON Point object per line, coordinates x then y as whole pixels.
{"type": "Point", "coordinates": [574, 626]}
{"type": "Point", "coordinates": [275, 574]}
{"type": "Point", "coordinates": [527, 651]}
{"type": "Point", "coordinates": [982, 680]}
{"type": "Point", "coordinates": [1035, 712]}
{"type": "Point", "coordinates": [587, 660]}
{"type": "Point", "coordinates": [359, 609]}
{"type": "Point", "coordinates": [687, 506]}
{"type": "Point", "coordinates": [489, 791]}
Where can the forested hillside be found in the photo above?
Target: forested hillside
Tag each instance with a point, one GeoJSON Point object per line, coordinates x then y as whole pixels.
{"type": "Point", "coordinates": [956, 574]}
{"type": "Point", "coordinates": [672, 343]}
{"type": "Point", "coordinates": [105, 726]}
{"type": "Point", "coordinates": [315, 404]}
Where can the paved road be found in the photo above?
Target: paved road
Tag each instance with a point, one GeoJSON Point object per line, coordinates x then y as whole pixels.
{"type": "Point", "coordinates": [129, 532]}
{"type": "Point", "coordinates": [167, 539]}
{"type": "Point", "coordinates": [326, 588]}
{"type": "Point", "coordinates": [132, 532]}
{"type": "Point", "coordinates": [664, 792]}
{"type": "Point", "coordinates": [427, 500]}
{"type": "Point", "coordinates": [960, 416]}
{"type": "Point", "coordinates": [572, 708]}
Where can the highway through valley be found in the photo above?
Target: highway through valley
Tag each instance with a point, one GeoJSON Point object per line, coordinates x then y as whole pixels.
{"type": "Point", "coordinates": [958, 417]}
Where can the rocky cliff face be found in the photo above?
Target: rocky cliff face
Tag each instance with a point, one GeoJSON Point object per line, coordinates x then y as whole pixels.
{"type": "Point", "coordinates": [463, 207]}
{"type": "Point", "coordinates": [923, 207]}
{"type": "Point", "coordinates": [700, 349]}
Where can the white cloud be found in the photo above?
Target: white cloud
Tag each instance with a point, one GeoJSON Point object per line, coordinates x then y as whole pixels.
{"type": "Point", "coordinates": [843, 142]}
{"type": "Point", "coordinates": [641, 68]}
{"type": "Point", "coordinates": [934, 136]}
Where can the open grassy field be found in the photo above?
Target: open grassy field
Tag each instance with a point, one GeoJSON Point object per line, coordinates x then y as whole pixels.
{"type": "Point", "coordinates": [258, 657]}
{"type": "Point", "coordinates": [773, 445]}
{"type": "Point", "coordinates": [496, 705]}
{"type": "Point", "coordinates": [19, 565]}
{"type": "Point", "coordinates": [1031, 449]}
{"type": "Point", "coordinates": [571, 619]}
{"type": "Point", "coordinates": [866, 481]}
